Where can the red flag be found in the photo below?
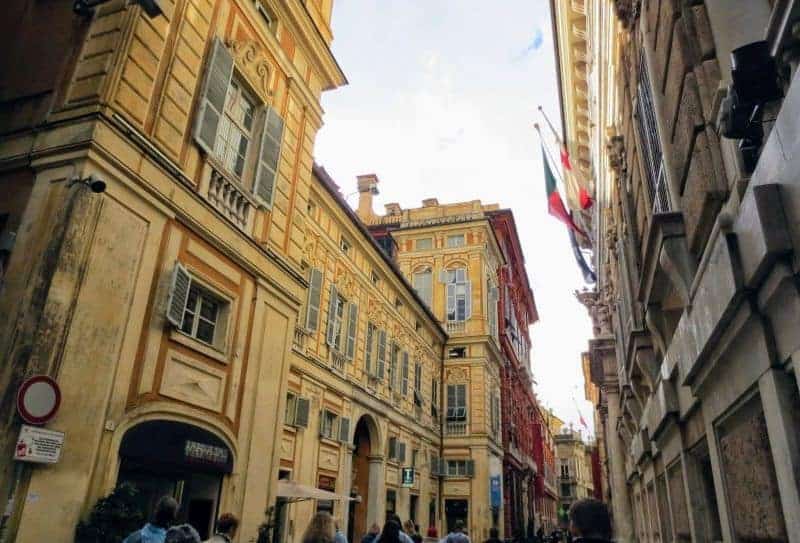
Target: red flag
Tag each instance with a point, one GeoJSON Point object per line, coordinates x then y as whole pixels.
{"type": "Point", "coordinates": [565, 156]}
{"type": "Point", "coordinates": [586, 201]}
{"type": "Point", "coordinates": [583, 422]}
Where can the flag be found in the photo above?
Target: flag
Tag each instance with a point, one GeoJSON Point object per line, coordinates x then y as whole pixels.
{"type": "Point", "coordinates": [564, 155]}
{"type": "Point", "coordinates": [582, 421]}
{"type": "Point", "coordinates": [588, 274]}
{"type": "Point", "coordinates": [585, 200]}
{"type": "Point", "coordinates": [555, 205]}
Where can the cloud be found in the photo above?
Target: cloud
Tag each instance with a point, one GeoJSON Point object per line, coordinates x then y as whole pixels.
{"type": "Point", "coordinates": [535, 44]}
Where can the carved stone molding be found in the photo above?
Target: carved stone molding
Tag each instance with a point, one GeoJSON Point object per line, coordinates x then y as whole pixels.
{"type": "Point", "coordinates": [251, 59]}
{"type": "Point", "coordinates": [456, 375]}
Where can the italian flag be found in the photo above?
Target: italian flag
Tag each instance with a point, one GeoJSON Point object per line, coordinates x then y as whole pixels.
{"type": "Point", "coordinates": [555, 205]}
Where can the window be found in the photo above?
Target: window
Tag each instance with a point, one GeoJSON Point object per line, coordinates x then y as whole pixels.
{"type": "Point", "coordinates": [228, 120]}
{"type": "Point", "coordinates": [414, 455]}
{"type": "Point", "coordinates": [457, 352]}
{"type": "Point", "coordinates": [459, 295]}
{"type": "Point", "coordinates": [652, 160]}
{"type": "Point", "coordinates": [344, 245]}
{"type": "Point", "coordinates": [369, 350]}
{"type": "Point", "coordinates": [492, 297]}
{"type": "Point", "coordinates": [314, 300]}
{"type": "Point", "coordinates": [235, 130]}
{"type": "Point", "coordinates": [328, 424]}
{"type": "Point", "coordinates": [398, 304]}
{"type": "Point", "coordinates": [457, 240]}
{"type": "Point", "coordinates": [424, 244]}
{"type": "Point", "coordinates": [352, 329]}
{"type": "Point", "coordinates": [291, 408]}
{"type": "Point", "coordinates": [457, 402]}
{"type": "Point", "coordinates": [565, 489]}
{"type": "Point", "coordinates": [375, 277]}
{"type": "Point", "coordinates": [417, 383]}
{"type": "Point", "coordinates": [296, 413]}
{"type": "Point", "coordinates": [394, 354]}
{"type": "Point", "coordinates": [381, 355]}
{"type": "Point", "coordinates": [460, 468]}
{"type": "Point", "coordinates": [435, 398]}
{"type": "Point", "coordinates": [311, 209]}
{"type": "Point", "coordinates": [404, 386]}
{"type": "Point", "coordinates": [423, 284]}
{"type": "Point", "coordinates": [397, 450]}
{"type": "Point", "coordinates": [195, 310]}
{"type": "Point", "coordinates": [335, 317]}
{"type": "Point", "coordinates": [494, 412]}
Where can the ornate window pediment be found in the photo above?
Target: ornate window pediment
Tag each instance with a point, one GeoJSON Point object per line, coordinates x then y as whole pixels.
{"type": "Point", "coordinates": [251, 60]}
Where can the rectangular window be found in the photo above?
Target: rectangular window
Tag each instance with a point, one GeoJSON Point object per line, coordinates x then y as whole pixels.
{"type": "Point", "coordinates": [369, 350]}
{"type": "Point", "coordinates": [460, 468]}
{"type": "Point", "coordinates": [423, 284]}
{"type": "Point", "coordinates": [435, 398]}
{"type": "Point", "coordinates": [393, 377]}
{"type": "Point", "coordinates": [424, 244]}
{"type": "Point", "coordinates": [235, 129]}
{"type": "Point", "coordinates": [344, 245]}
{"type": "Point", "coordinates": [457, 240]}
{"type": "Point", "coordinates": [492, 298]}
{"type": "Point", "coordinates": [459, 295]}
{"type": "Point", "coordinates": [381, 357]}
{"type": "Point", "coordinates": [651, 151]}
{"type": "Point", "coordinates": [291, 409]}
{"type": "Point", "coordinates": [404, 386]}
{"type": "Point", "coordinates": [457, 402]}
{"type": "Point", "coordinates": [352, 329]}
{"type": "Point", "coordinates": [328, 424]}
{"type": "Point", "coordinates": [335, 318]}
{"type": "Point", "coordinates": [314, 300]}
{"type": "Point", "coordinates": [195, 310]}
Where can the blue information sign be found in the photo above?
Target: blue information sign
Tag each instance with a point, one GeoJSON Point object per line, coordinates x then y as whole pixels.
{"type": "Point", "coordinates": [495, 491]}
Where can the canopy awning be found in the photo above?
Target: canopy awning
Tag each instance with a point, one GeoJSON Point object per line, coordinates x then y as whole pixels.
{"type": "Point", "coordinates": [294, 491]}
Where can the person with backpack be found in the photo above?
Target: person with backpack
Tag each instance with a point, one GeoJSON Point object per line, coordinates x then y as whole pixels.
{"type": "Point", "coordinates": [457, 535]}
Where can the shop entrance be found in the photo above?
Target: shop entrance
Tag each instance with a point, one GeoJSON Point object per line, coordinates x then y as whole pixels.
{"type": "Point", "coordinates": [161, 458]}
{"type": "Point", "coordinates": [455, 510]}
{"type": "Point", "coordinates": [359, 509]}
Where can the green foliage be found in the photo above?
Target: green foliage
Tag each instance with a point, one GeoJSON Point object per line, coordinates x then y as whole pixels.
{"type": "Point", "coordinates": [112, 518]}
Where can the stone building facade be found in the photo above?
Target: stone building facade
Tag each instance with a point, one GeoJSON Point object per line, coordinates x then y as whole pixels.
{"type": "Point", "coordinates": [166, 305]}
{"type": "Point", "coordinates": [696, 304]}
{"type": "Point", "coordinates": [450, 254]}
{"type": "Point", "coordinates": [574, 464]}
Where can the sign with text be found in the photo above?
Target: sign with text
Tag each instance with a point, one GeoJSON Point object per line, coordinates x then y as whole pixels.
{"type": "Point", "coordinates": [408, 477]}
{"type": "Point", "coordinates": [495, 491]}
{"type": "Point", "coordinates": [38, 445]}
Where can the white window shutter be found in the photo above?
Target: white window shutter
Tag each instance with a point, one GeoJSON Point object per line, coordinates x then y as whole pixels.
{"type": "Point", "coordinates": [219, 71]}
{"type": "Point", "coordinates": [268, 157]}
{"type": "Point", "coordinates": [352, 327]}
{"type": "Point", "coordinates": [178, 294]}
{"type": "Point", "coordinates": [314, 297]}
{"type": "Point", "coordinates": [443, 276]}
{"type": "Point", "coordinates": [331, 330]}
{"type": "Point", "coordinates": [468, 302]}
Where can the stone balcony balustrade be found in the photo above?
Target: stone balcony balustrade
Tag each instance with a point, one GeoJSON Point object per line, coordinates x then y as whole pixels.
{"type": "Point", "coordinates": [231, 199]}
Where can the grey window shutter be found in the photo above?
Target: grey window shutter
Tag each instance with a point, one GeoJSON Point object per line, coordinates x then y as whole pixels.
{"type": "Point", "coordinates": [470, 468]}
{"type": "Point", "coordinates": [322, 423]}
{"type": "Point", "coordinates": [178, 294]}
{"type": "Point", "coordinates": [268, 157]}
{"type": "Point", "coordinates": [451, 299]}
{"type": "Point", "coordinates": [352, 328]}
{"type": "Point", "coordinates": [468, 303]}
{"type": "Point", "coordinates": [368, 349]}
{"type": "Point", "coordinates": [219, 71]}
{"type": "Point", "coordinates": [331, 330]}
{"type": "Point", "coordinates": [381, 353]}
{"type": "Point", "coordinates": [344, 430]}
{"type": "Point", "coordinates": [301, 416]}
{"type": "Point", "coordinates": [443, 276]}
{"type": "Point", "coordinates": [314, 297]}
{"type": "Point", "coordinates": [401, 452]}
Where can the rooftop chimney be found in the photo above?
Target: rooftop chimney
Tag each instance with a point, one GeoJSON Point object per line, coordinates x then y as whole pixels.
{"type": "Point", "coordinates": [430, 202]}
{"type": "Point", "coordinates": [367, 188]}
{"type": "Point", "coordinates": [393, 209]}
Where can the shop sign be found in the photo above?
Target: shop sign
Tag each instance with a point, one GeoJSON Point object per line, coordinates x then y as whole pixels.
{"type": "Point", "coordinates": [205, 453]}
{"type": "Point", "coordinates": [495, 491]}
{"type": "Point", "coordinates": [38, 445]}
{"type": "Point", "coordinates": [408, 477]}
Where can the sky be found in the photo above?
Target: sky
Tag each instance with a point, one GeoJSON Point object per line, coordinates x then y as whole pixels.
{"type": "Point", "coordinates": [441, 101]}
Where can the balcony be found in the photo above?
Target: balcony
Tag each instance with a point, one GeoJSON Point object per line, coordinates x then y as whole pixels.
{"type": "Point", "coordinates": [455, 428]}
{"type": "Point", "coordinates": [232, 200]}
{"type": "Point", "coordinates": [456, 327]}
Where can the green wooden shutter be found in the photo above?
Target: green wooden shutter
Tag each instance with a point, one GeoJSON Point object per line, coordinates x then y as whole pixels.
{"type": "Point", "coordinates": [268, 157]}
{"type": "Point", "coordinates": [219, 71]}
{"type": "Point", "coordinates": [352, 328]}
{"type": "Point", "coordinates": [331, 330]}
{"type": "Point", "coordinates": [314, 297]}
{"type": "Point", "coordinates": [178, 295]}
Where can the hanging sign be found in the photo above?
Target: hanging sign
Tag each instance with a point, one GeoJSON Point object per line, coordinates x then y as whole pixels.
{"type": "Point", "coordinates": [408, 477]}
{"type": "Point", "coordinates": [38, 445]}
{"type": "Point", "coordinates": [38, 399]}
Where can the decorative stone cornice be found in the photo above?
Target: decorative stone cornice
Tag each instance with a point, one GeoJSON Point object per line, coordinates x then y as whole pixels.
{"type": "Point", "coordinates": [250, 57]}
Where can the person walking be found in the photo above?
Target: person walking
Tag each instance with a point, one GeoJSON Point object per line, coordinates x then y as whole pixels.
{"type": "Point", "coordinates": [321, 529]}
{"type": "Point", "coordinates": [183, 533]}
{"type": "Point", "coordinates": [372, 535]}
{"type": "Point", "coordinates": [457, 535]}
{"type": "Point", "coordinates": [494, 536]}
{"type": "Point", "coordinates": [411, 531]}
{"type": "Point", "coordinates": [339, 537]}
{"type": "Point", "coordinates": [155, 531]}
{"type": "Point", "coordinates": [227, 524]}
{"type": "Point", "coordinates": [589, 521]}
{"type": "Point", "coordinates": [404, 537]}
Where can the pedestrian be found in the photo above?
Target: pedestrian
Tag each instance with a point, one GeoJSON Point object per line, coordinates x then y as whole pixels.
{"type": "Point", "coordinates": [156, 530]}
{"type": "Point", "coordinates": [372, 534]}
{"type": "Point", "coordinates": [589, 521]}
{"type": "Point", "coordinates": [411, 531]}
{"type": "Point", "coordinates": [404, 537]}
{"type": "Point", "coordinates": [227, 524]}
{"type": "Point", "coordinates": [391, 532]}
{"type": "Point", "coordinates": [540, 534]}
{"type": "Point", "coordinates": [457, 535]}
{"type": "Point", "coordinates": [339, 537]}
{"type": "Point", "coordinates": [494, 536]}
{"type": "Point", "coordinates": [183, 533]}
{"type": "Point", "coordinates": [321, 529]}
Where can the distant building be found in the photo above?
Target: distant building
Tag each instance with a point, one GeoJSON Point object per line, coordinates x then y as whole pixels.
{"type": "Point", "coordinates": [574, 462]}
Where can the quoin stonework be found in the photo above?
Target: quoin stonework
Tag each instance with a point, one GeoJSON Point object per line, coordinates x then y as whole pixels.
{"type": "Point", "coordinates": [681, 117]}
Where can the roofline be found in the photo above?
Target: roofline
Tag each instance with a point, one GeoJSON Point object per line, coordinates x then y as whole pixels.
{"type": "Point", "coordinates": [328, 183]}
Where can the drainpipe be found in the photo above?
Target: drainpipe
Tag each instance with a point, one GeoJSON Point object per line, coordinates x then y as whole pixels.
{"type": "Point", "coordinates": [440, 505]}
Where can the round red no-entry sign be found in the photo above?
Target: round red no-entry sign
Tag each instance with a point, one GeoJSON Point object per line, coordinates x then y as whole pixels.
{"type": "Point", "coordinates": [38, 399]}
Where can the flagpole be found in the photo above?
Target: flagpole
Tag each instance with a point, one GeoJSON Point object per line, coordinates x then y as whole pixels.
{"type": "Point", "coordinates": [552, 128]}
{"type": "Point", "coordinates": [550, 156]}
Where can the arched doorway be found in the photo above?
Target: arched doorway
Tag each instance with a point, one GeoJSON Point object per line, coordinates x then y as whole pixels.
{"type": "Point", "coordinates": [162, 457]}
{"type": "Point", "coordinates": [363, 439]}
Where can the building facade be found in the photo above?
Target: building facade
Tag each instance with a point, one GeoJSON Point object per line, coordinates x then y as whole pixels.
{"type": "Point", "coordinates": [450, 255]}
{"type": "Point", "coordinates": [547, 482]}
{"type": "Point", "coordinates": [693, 167]}
{"type": "Point", "coordinates": [516, 313]}
{"type": "Point", "coordinates": [574, 460]}
{"type": "Point", "coordinates": [156, 174]}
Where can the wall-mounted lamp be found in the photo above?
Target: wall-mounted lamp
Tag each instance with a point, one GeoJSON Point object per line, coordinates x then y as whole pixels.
{"type": "Point", "coordinates": [86, 7]}
{"type": "Point", "coordinates": [755, 83]}
{"type": "Point", "coordinates": [94, 183]}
